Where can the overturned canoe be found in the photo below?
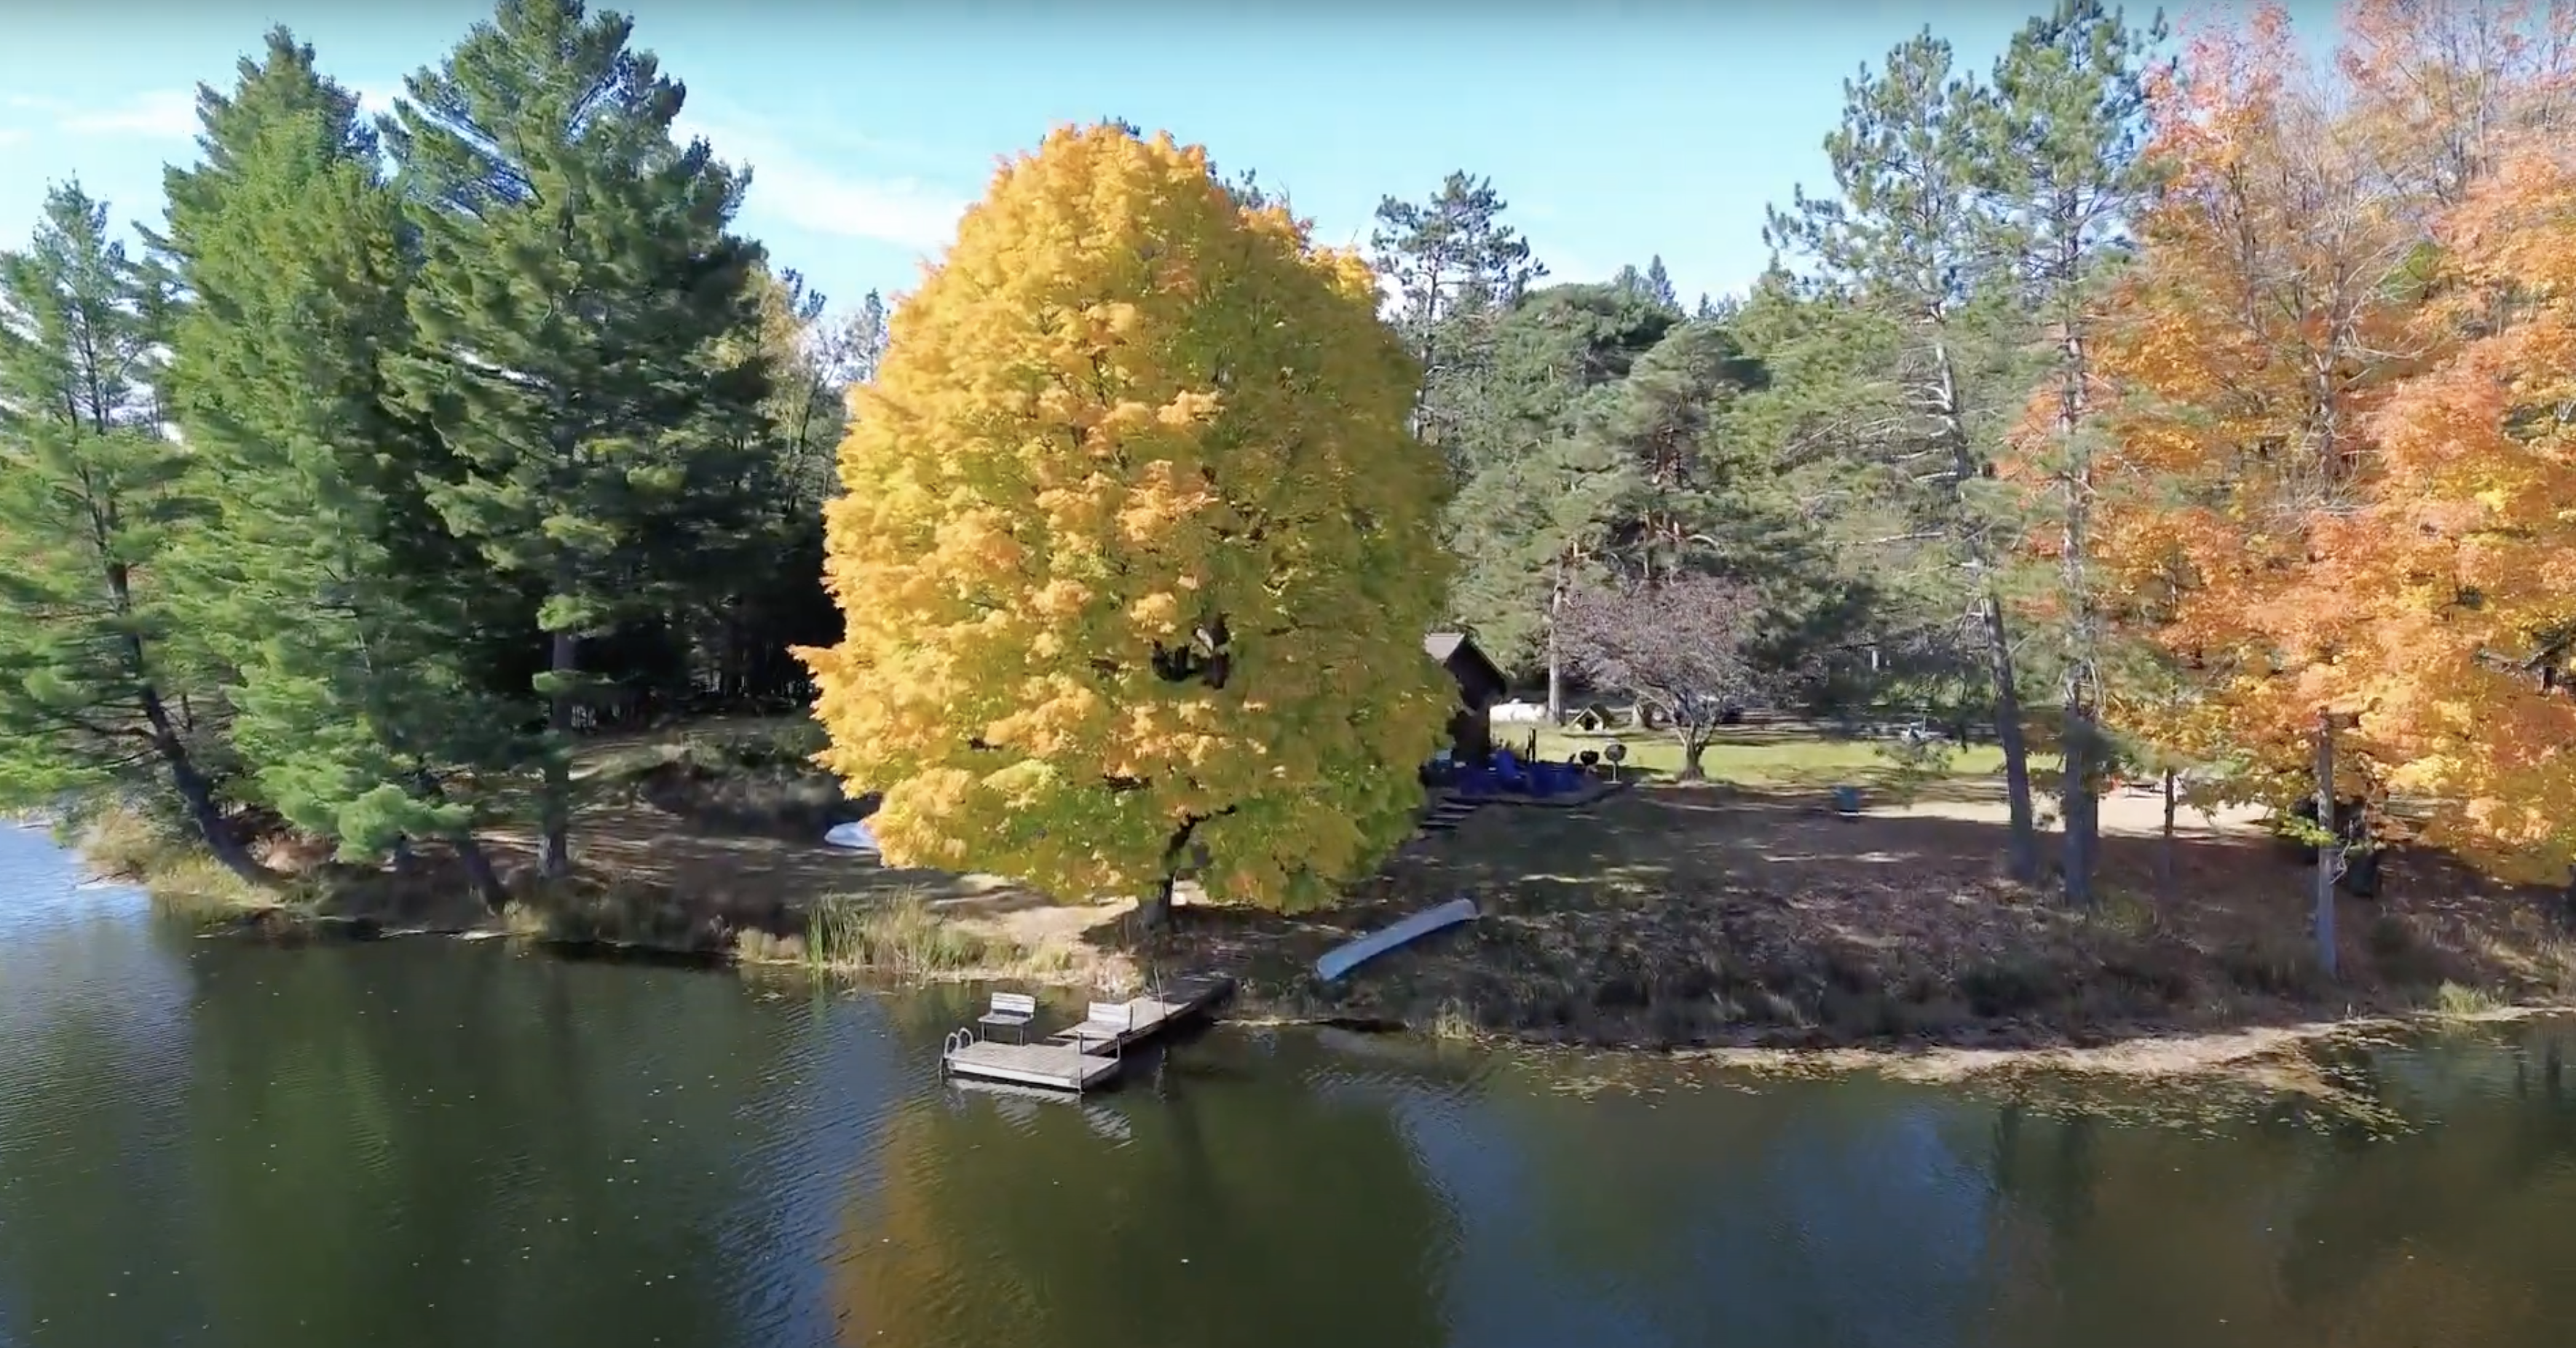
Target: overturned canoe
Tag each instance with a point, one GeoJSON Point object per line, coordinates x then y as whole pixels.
{"type": "Point", "coordinates": [1341, 959]}
{"type": "Point", "coordinates": [853, 836]}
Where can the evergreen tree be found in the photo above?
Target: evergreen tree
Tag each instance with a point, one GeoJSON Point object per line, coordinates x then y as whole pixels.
{"type": "Point", "coordinates": [1659, 285]}
{"type": "Point", "coordinates": [1457, 269]}
{"type": "Point", "coordinates": [95, 691]}
{"type": "Point", "coordinates": [1903, 239]}
{"type": "Point", "coordinates": [2059, 158]}
{"type": "Point", "coordinates": [578, 287]}
{"type": "Point", "coordinates": [1525, 520]}
{"type": "Point", "coordinates": [319, 581]}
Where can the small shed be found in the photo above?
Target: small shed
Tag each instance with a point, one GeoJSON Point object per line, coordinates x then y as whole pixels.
{"type": "Point", "coordinates": [1480, 683]}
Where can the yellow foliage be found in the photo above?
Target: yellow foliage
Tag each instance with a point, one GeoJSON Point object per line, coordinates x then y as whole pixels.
{"type": "Point", "coordinates": [1125, 428]}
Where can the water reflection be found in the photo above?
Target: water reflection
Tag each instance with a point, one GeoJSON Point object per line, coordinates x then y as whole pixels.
{"type": "Point", "coordinates": [207, 1142]}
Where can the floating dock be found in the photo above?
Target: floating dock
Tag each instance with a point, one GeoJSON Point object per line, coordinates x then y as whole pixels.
{"type": "Point", "coordinates": [1089, 1055]}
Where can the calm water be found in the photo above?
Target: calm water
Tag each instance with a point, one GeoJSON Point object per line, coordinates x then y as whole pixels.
{"type": "Point", "coordinates": [427, 1143]}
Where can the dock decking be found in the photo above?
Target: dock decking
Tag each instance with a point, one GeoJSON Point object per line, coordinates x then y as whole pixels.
{"type": "Point", "coordinates": [1090, 1054]}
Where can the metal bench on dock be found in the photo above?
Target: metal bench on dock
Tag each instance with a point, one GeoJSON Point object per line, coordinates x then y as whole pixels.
{"type": "Point", "coordinates": [1084, 1055]}
{"type": "Point", "coordinates": [1012, 1011]}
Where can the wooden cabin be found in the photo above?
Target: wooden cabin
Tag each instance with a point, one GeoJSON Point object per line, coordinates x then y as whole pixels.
{"type": "Point", "coordinates": [1480, 683]}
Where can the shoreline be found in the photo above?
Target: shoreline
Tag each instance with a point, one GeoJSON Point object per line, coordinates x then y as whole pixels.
{"type": "Point", "coordinates": [1739, 927]}
{"type": "Point", "coordinates": [2266, 1054]}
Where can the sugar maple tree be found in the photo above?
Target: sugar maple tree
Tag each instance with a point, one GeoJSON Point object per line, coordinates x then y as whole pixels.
{"type": "Point", "coordinates": [2345, 344]}
{"type": "Point", "coordinates": [2259, 329]}
{"type": "Point", "coordinates": [1136, 554]}
{"type": "Point", "coordinates": [2472, 536]}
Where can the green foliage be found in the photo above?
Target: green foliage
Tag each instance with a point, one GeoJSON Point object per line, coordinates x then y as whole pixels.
{"type": "Point", "coordinates": [1457, 270]}
{"type": "Point", "coordinates": [318, 582]}
{"type": "Point", "coordinates": [576, 316]}
{"type": "Point", "coordinates": [93, 691]}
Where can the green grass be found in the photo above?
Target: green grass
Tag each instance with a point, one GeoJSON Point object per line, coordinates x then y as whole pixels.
{"type": "Point", "coordinates": [1776, 756]}
{"type": "Point", "coordinates": [2453, 999]}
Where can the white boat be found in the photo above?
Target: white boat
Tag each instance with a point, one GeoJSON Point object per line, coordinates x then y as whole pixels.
{"type": "Point", "coordinates": [852, 836]}
{"type": "Point", "coordinates": [1341, 959]}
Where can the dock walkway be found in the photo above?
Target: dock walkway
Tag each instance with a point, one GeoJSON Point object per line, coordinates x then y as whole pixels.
{"type": "Point", "coordinates": [1090, 1054]}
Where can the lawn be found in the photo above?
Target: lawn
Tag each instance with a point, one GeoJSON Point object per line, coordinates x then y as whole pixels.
{"type": "Point", "coordinates": [1774, 755]}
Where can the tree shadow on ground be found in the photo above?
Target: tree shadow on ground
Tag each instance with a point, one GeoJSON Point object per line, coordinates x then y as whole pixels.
{"type": "Point", "coordinates": [1677, 916]}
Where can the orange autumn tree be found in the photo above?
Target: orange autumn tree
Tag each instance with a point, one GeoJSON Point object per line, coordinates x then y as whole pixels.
{"type": "Point", "coordinates": [1136, 553]}
{"type": "Point", "coordinates": [2335, 472]}
{"type": "Point", "coordinates": [2265, 321]}
{"type": "Point", "coordinates": [2474, 531]}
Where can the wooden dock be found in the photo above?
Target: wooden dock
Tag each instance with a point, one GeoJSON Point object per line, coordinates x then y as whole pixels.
{"type": "Point", "coordinates": [1088, 1055]}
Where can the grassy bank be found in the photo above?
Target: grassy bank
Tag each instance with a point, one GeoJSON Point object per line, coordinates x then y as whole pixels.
{"type": "Point", "coordinates": [1738, 917]}
{"type": "Point", "coordinates": [1701, 918]}
{"type": "Point", "coordinates": [704, 841]}
{"type": "Point", "coordinates": [126, 845]}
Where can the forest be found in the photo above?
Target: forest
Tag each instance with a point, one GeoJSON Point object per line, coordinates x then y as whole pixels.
{"type": "Point", "coordinates": [2153, 404]}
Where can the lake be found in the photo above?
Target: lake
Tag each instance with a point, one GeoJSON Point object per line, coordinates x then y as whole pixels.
{"type": "Point", "coordinates": [427, 1142]}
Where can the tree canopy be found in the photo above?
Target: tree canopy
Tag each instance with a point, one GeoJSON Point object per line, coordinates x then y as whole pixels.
{"type": "Point", "coordinates": [1136, 551]}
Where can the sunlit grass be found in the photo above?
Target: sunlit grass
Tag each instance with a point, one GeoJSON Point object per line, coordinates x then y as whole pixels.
{"type": "Point", "coordinates": [1772, 756]}
{"type": "Point", "coordinates": [900, 936]}
{"type": "Point", "coordinates": [176, 872]}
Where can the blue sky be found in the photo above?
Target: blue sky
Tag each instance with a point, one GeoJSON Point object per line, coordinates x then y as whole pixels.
{"type": "Point", "coordinates": [1616, 129]}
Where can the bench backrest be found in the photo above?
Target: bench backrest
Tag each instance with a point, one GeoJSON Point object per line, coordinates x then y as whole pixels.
{"type": "Point", "coordinates": [1014, 1004]}
{"type": "Point", "coordinates": [1117, 1015]}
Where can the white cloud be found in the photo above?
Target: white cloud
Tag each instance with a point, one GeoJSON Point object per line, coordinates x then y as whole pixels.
{"type": "Point", "coordinates": [10, 135]}
{"type": "Point", "coordinates": [161, 113]}
{"type": "Point", "coordinates": [809, 195]}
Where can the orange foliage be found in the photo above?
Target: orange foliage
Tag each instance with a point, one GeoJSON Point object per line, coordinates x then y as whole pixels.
{"type": "Point", "coordinates": [2339, 352]}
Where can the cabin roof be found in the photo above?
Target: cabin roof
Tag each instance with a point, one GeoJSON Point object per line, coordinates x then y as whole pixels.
{"type": "Point", "coordinates": [1451, 648]}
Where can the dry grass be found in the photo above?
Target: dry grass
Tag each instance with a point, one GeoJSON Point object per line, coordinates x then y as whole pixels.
{"type": "Point", "coordinates": [904, 936]}
{"type": "Point", "coordinates": [1693, 917]}
{"type": "Point", "coordinates": [125, 844]}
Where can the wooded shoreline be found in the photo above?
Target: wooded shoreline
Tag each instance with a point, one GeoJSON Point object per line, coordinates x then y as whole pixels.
{"type": "Point", "coordinates": [1826, 966]}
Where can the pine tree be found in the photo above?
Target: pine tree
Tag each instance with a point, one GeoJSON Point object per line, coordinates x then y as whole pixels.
{"type": "Point", "coordinates": [320, 580]}
{"type": "Point", "coordinates": [1659, 285]}
{"type": "Point", "coordinates": [1902, 239]}
{"type": "Point", "coordinates": [1457, 269]}
{"type": "Point", "coordinates": [578, 290]}
{"type": "Point", "coordinates": [96, 693]}
{"type": "Point", "coordinates": [2058, 154]}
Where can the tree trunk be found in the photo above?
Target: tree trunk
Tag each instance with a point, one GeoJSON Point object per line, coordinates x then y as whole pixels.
{"type": "Point", "coordinates": [554, 858]}
{"type": "Point", "coordinates": [2080, 805]}
{"type": "Point", "coordinates": [2165, 852]}
{"type": "Point", "coordinates": [1156, 911]}
{"type": "Point", "coordinates": [2021, 847]}
{"type": "Point", "coordinates": [1693, 746]}
{"type": "Point", "coordinates": [1555, 665]}
{"type": "Point", "coordinates": [2329, 853]}
{"type": "Point", "coordinates": [478, 870]}
{"type": "Point", "coordinates": [197, 794]}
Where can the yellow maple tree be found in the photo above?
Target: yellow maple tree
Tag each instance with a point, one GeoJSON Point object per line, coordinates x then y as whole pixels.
{"type": "Point", "coordinates": [1135, 552]}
